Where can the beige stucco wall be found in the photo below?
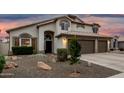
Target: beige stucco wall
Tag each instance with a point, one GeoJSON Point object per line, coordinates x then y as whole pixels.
{"type": "Point", "coordinates": [4, 47]}
{"type": "Point", "coordinates": [42, 29]}
{"type": "Point", "coordinates": [32, 30]}
{"type": "Point", "coordinates": [55, 27]}
{"type": "Point", "coordinates": [86, 29]}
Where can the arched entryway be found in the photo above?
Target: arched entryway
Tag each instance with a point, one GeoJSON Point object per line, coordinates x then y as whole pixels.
{"type": "Point", "coordinates": [49, 41]}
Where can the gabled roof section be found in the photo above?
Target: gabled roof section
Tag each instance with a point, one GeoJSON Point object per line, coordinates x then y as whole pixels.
{"type": "Point", "coordinates": [75, 18]}
{"type": "Point", "coordinates": [72, 18]}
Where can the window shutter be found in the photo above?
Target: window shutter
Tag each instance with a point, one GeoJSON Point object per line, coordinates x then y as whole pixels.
{"type": "Point", "coordinates": [15, 41]}
{"type": "Point", "coordinates": [34, 43]}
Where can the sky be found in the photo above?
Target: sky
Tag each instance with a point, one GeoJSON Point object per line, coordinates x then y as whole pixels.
{"type": "Point", "coordinates": [111, 24]}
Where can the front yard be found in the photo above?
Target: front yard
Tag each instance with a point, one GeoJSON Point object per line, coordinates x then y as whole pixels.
{"type": "Point", "coordinates": [27, 68]}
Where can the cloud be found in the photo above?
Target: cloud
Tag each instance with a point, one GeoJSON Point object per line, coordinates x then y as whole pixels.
{"type": "Point", "coordinates": [12, 21]}
{"type": "Point", "coordinates": [110, 24]}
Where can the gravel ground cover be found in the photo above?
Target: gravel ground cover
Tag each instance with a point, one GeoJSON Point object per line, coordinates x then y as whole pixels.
{"type": "Point", "coordinates": [27, 68]}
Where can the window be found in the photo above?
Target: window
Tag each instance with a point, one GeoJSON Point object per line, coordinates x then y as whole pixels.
{"type": "Point", "coordinates": [25, 40]}
{"type": "Point", "coordinates": [95, 28]}
{"type": "Point", "coordinates": [80, 26]}
{"type": "Point", "coordinates": [64, 25]}
{"type": "Point", "coordinates": [48, 37]}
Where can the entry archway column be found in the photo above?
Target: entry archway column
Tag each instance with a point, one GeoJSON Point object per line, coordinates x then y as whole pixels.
{"type": "Point", "coordinates": [96, 45]}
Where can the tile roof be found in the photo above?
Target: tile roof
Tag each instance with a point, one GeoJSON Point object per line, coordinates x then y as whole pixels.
{"type": "Point", "coordinates": [79, 33]}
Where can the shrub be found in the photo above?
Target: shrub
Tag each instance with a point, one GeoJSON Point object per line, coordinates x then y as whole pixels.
{"type": "Point", "coordinates": [111, 49]}
{"type": "Point", "coordinates": [74, 51]}
{"type": "Point", "coordinates": [22, 50]}
{"type": "Point", "coordinates": [121, 49]}
{"type": "Point", "coordinates": [62, 54]}
{"type": "Point", "coordinates": [2, 63]}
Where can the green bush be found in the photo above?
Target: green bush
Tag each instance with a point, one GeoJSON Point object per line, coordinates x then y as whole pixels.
{"type": "Point", "coordinates": [121, 49]}
{"type": "Point", "coordinates": [74, 51]}
{"type": "Point", "coordinates": [62, 54]}
{"type": "Point", "coordinates": [2, 63]}
{"type": "Point", "coordinates": [22, 50]}
{"type": "Point", "coordinates": [111, 49]}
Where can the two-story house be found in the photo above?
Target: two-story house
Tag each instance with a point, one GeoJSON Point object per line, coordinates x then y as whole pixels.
{"type": "Point", "coordinates": [49, 35]}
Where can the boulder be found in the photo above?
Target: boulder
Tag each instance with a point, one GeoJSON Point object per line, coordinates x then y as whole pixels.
{"type": "Point", "coordinates": [9, 65]}
{"type": "Point", "coordinates": [14, 58]}
{"type": "Point", "coordinates": [53, 60]}
{"type": "Point", "coordinates": [43, 66]}
{"type": "Point", "coordinates": [14, 64]}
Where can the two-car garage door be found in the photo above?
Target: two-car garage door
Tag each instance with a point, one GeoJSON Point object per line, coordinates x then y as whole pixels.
{"type": "Point", "coordinates": [87, 46]}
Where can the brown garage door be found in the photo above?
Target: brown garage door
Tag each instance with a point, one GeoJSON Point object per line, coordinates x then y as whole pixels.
{"type": "Point", "coordinates": [102, 46]}
{"type": "Point", "coordinates": [87, 46]}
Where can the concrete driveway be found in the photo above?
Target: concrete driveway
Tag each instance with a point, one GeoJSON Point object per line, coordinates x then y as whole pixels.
{"type": "Point", "coordinates": [110, 60]}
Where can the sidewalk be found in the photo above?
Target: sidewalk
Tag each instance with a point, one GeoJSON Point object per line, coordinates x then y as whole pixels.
{"type": "Point", "coordinates": [118, 76]}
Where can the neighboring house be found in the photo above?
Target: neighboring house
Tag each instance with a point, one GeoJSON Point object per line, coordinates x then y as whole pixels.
{"type": "Point", "coordinates": [47, 36]}
{"type": "Point", "coordinates": [114, 43]}
{"type": "Point", "coordinates": [117, 42]}
{"type": "Point", "coordinates": [121, 42]}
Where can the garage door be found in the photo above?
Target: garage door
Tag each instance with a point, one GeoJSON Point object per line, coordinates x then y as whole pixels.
{"type": "Point", "coordinates": [121, 44]}
{"type": "Point", "coordinates": [102, 46]}
{"type": "Point", "coordinates": [87, 46]}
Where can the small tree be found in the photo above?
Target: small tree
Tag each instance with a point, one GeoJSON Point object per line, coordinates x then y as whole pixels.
{"type": "Point", "coordinates": [74, 51]}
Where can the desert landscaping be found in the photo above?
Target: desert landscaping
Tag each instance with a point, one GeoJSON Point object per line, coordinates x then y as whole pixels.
{"type": "Point", "coordinates": [46, 66]}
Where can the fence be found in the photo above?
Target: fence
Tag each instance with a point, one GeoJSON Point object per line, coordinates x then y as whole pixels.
{"type": "Point", "coordinates": [4, 47]}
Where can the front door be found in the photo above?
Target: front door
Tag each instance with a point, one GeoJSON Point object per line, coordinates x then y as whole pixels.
{"type": "Point", "coordinates": [48, 47]}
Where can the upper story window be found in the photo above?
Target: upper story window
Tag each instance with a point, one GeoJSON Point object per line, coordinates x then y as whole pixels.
{"type": "Point", "coordinates": [80, 26]}
{"type": "Point", "coordinates": [64, 25]}
{"type": "Point", "coordinates": [95, 28]}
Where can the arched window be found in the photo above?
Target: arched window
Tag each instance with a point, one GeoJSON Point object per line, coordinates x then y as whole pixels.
{"type": "Point", "coordinates": [48, 37]}
{"type": "Point", "coordinates": [25, 35]}
{"type": "Point", "coordinates": [64, 25]}
{"type": "Point", "coordinates": [25, 39]}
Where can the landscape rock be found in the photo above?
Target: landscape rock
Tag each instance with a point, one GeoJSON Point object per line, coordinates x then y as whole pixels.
{"type": "Point", "coordinates": [9, 65]}
{"type": "Point", "coordinates": [51, 58]}
{"type": "Point", "coordinates": [43, 66]}
{"type": "Point", "coordinates": [54, 60]}
{"type": "Point", "coordinates": [14, 58]}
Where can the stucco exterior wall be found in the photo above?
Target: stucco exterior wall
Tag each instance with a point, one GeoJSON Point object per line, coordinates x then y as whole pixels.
{"type": "Point", "coordinates": [85, 29]}
{"type": "Point", "coordinates": [62, 42]}
{"type": "Point", "coordinates": [32, 30]}
{"type": "Point", "coordinates": [54, 27]}
{"type": "Point", "coordinates": [42, 29]}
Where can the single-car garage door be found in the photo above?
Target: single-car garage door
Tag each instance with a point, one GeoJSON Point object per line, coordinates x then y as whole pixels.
{"type": "Point", "coordinates": [121, 44]}
{"type": "Point", "coordinates": [102, 46]}
{"type": "Point", "coordinates": [87, 46]}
